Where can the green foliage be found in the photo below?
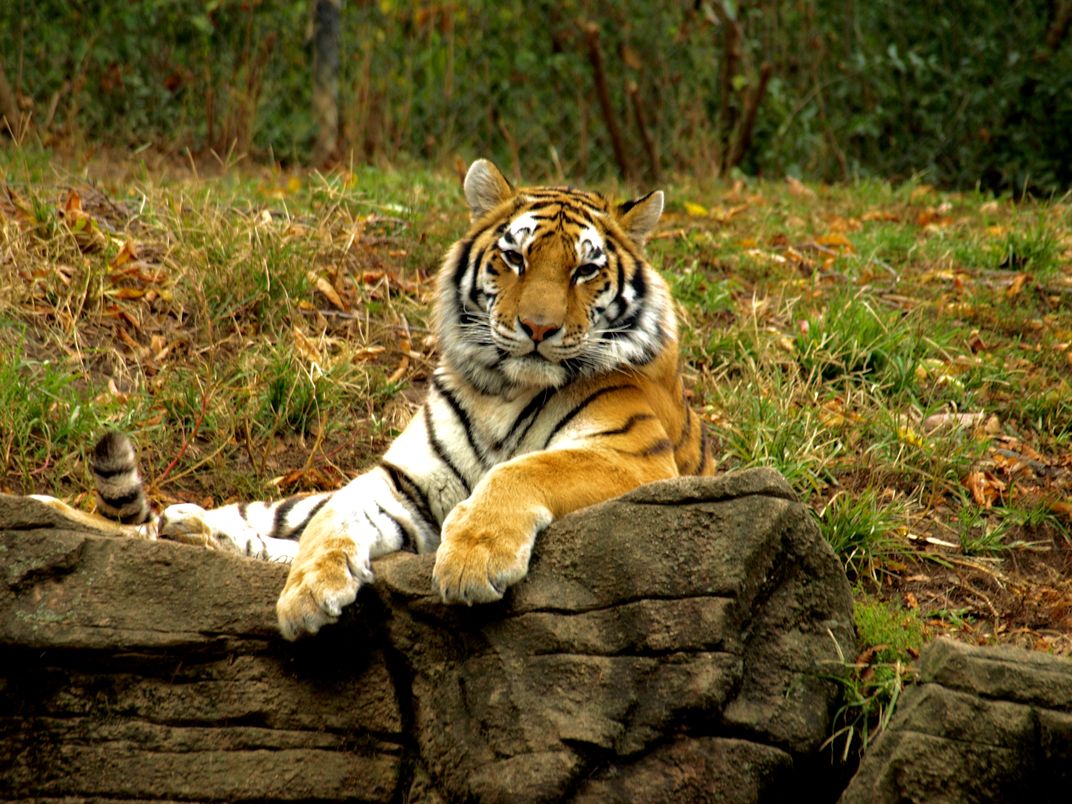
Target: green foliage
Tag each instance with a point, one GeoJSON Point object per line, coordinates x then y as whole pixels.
{"type": "Point", "coordinates": [1035, 249]}
{"type": "Point", "coordinates": [768, 426]}
{"type": "Point", "coordinates": [49, 416]}
{"type": "Point", "coordinates": [293, 397]}
{"type": "Point", "coordinates": [962, 94]}
{"type": "Point", "coordinates": [888, 638]}
{"type": "Point", "coordinates": [862, 530]}
{"type": "Point", "coordinates": [852, 338]}
{"type": "Point", "coordinates": [893, 632]}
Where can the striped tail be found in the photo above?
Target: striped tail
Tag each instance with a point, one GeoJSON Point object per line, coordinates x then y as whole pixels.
{"type": "Point", "coordinates": [120, 494]}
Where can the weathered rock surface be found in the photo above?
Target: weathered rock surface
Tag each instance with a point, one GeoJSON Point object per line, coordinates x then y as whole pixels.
{"type": "Point", "coordinates": [985, 724]}
{"type": "Point", "coordinates": [675, 644]}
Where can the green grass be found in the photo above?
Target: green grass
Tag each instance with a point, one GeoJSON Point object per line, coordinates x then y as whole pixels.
{"type": "Point", "coordinates": [50, 416]}
{"type": "Point", "coordinates": [864, 530]}
{"type": "Point", "coordinates": [890, 637]}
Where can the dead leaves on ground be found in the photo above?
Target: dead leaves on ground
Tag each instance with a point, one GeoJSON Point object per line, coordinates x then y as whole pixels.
{"type": "Point", "coordinates": [1013, 472]}
{"type": "Point", "coordinates": [85, 229]}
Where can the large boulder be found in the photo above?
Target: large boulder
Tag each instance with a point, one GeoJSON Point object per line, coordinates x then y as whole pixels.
{"type": "Point", "coordinates": [984, 724]}
{"type": "Point", "coordinates": [675, 644]}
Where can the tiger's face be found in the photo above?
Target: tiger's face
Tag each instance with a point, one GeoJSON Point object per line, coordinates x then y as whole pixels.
{"type": "Point", "coordinates": [549, 285]}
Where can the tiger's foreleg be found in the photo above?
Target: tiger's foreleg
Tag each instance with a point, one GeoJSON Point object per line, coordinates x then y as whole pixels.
{"type": "Point", "coordinates": [362, 521]}
{"type": "Point", "coordinates": [264, 530]}
{"type": "Point", "coordinates": [487, 539]}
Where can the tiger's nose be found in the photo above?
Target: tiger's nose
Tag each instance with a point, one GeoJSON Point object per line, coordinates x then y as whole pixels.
{"type": "Point", "coordinates": [536, 331]}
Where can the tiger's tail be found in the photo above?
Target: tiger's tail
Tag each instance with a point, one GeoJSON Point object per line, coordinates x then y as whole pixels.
{"type": "Point", "coordinates": [120, 491]}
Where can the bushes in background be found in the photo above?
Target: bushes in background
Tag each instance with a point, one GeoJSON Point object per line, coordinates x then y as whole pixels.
{"type": "Point", "coordinates": [965, 93]}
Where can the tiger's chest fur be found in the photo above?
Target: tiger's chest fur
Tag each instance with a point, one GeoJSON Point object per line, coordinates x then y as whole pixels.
{"type": "Point", "coordinates": [471, 432]}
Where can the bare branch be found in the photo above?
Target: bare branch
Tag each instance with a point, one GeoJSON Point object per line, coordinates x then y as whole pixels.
{"type": "Point", "coordinates": [642, 128]}
{"type": "Point", "coordinates": [595, 56]}
{"type": "Point", "coordinates": [743, 135]}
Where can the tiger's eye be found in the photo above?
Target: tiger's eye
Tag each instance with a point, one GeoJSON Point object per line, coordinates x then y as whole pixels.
{"type": "Point", "coordinates": [586, 271]}
{"type": "Point", "coordinates": [513, 258]}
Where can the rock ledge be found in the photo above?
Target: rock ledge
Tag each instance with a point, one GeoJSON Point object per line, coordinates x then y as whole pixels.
{"type": "Point", "coordinates": [674, 644]}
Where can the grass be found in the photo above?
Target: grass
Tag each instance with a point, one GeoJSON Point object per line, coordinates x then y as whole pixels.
{"type": "Point", "coordinates": [901, 354]}
{"type": "Point", "coordinates": [892, 637]}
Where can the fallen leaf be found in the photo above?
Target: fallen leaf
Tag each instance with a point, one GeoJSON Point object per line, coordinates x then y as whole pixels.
{"type": "Point", "coordinates": [798, 188]}
{"type": "Point", "coordinates": [931, 216]}
{"type": "Point", "coordinates": [881, 215]}
{"type": "Point", "coordinates": [1016, 285]}
{"type": "Point", "coordinates": [1009, 464]}
{"type": "Point", "coordinates": [124, 336]}
{"type": "Point", "coordinates": [87, 234]}
{"type": "Point", "coordinates": [127, 253]}
{"type": "Point", "coordinates": [725, 215]}
{"type": "Point", "coordinates": [327, 290]}
{"type": "Point", "coordinates": [841, 225]}
{"type": "Point", "coordinates": [695, 210]}
{"type": "Point", "coordinates": [305, 347]}
{"type": "Point", "coordinates": [129, 293]}
{"type": "Point", "coordinates": [115, 311]}
{"type": "Point", "coordinates": [835, 240]}
{"type": "Point", "coordinates": [984, 487]}
{"type": "Point", "coordinates": [367, 353]}
{"type": "Point", "coordinates": [138, 271]}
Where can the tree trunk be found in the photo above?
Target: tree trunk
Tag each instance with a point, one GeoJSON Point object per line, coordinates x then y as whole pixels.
{"type": "Point", "coordinates": [10, 119]}
{"type": "Point", "coordinates": [326, 15]}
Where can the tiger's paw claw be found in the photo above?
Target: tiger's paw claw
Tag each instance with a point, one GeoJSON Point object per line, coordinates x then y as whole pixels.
{"type": "Point", "coordinates": [477, 574]}
{"type": "Point", "coordinates": [317, 591]}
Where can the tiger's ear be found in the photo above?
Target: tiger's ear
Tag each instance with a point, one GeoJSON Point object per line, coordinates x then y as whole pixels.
{"type": "Point", "coordinates": [485, 187]}
{"type": "Point", "coordinates": [639, 216]}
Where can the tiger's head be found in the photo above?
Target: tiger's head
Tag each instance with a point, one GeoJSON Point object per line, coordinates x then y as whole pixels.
{"type": "Point", "coordinates": [550, 284]}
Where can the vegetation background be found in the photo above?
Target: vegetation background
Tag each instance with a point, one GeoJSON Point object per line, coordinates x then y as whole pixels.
{"type": "Point", "coordinates": [220, 223]}
{"type": "Point", "coordinates": [963, 94]}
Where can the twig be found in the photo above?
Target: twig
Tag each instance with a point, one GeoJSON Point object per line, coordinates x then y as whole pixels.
{"type": "Point", "coordinates": [595, 56]}
{"type": "Point", "coordinates": [185, 442]}
{"type": "Point", "coordinates": [642, 127]}
{"type": "Point", "coordinates": [515, 152]}
{"type": "Point", "coordinates": [405, 346]}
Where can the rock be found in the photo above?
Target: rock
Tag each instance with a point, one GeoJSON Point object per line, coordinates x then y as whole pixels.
{"type": "Point", "coordinates": [674, 644]}
{"type": "Point", "coordinates": [984, 724]}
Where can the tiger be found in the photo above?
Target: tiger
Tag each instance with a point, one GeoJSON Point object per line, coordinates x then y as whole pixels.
{"type": "Point", "coordinates": [558, 387]}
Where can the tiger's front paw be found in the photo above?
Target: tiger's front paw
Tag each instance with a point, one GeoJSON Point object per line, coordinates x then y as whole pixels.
{"type": "Point", "coordinates": [218, 529]}
{"type": "Point", "coordinates": [187, 523]}
{"type": "Point", "coordinates": [483, 552]}
{"type": "Point", "coordinates": [320, 585]}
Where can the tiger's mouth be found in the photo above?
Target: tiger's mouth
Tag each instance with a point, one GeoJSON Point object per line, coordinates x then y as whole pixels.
{"type": "Point", "coordinates": [534, 370]}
